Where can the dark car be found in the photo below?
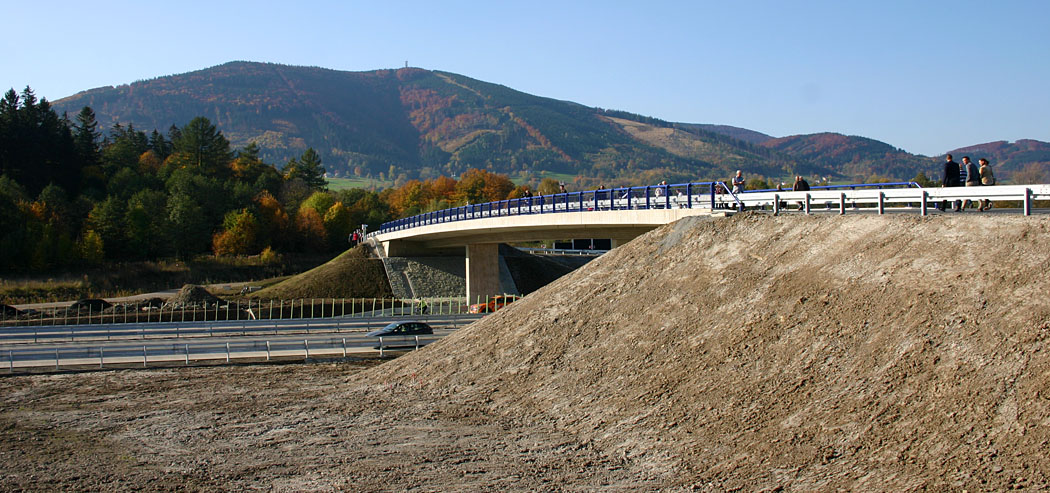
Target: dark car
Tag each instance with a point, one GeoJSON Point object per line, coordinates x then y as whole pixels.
{"type": "Point", "coordinates": [401, 333]}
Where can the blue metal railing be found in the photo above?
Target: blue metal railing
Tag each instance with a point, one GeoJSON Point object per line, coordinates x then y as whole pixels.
{"type": "Point", "coordinates": [681, 195]}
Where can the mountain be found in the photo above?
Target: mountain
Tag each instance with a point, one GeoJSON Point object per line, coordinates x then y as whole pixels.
{"type": "Point", "coordinates": [410, 123]}
{"type": "Point", "coordinates": [749, 136]}
{"type": "Point", "coordinates": [854, 156]}
{"type": "Point", "coordinates": [1008, 155]}
{"type": "Point", "coordinates": [416, 122]}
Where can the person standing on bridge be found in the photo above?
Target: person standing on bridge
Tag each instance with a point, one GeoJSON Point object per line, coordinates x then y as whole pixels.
{"type": "Point", "coordinates": [973, 177]}
{"type": "Point", "coordinates": [738, 182]}
{"type": "Point", "coordinates": [987, 179]}
{"type": "Point", "coordinates": [950, 178]}
{"type": "Point", "coordinates": [801, 185]}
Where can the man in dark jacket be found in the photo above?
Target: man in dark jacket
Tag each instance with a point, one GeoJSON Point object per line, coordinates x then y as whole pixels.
{"type": "Point", "coordinates": [950, 178]}
{"type": "Point", "coordinates": [801, 185]}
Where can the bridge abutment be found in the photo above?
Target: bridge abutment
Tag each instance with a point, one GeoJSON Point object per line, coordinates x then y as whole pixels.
{"type": "Point", "coordinates": [482, 271]}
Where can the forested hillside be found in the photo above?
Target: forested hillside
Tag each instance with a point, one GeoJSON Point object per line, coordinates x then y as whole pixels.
{"type": "Point", "coordinates": [853, 156]}
{"type": "Point", "coordinates": [72, 194]}
{"type": "Point", "coordinates": [414, 123]}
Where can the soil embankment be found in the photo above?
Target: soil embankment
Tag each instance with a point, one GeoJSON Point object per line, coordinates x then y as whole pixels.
{"type": "Point", "coordinates": [350, 275]}
{"type": "Point", "coordinates": [743, 353]}
{"type": "Point", "coordinates": [761, 352]}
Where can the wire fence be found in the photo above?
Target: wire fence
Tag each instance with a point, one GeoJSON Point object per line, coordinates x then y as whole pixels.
{"type": "Point", "coordinates": [139, 312]}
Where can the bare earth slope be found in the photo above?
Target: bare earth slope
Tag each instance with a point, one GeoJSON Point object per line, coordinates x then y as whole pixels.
{"type": "Point", "coordinates": [876, 353]}
{"type": "Point", "coordinates": [745, 353]}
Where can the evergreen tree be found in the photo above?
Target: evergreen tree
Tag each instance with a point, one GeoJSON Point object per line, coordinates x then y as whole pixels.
{"type": "Point", "coordinates": [307, 168]}
{"type": "Point", "coordinates": [87, 137]}
{"type": "Point", "coordinates": [159, 145]}
{"type": "Point", "coordinates": [203, 146]}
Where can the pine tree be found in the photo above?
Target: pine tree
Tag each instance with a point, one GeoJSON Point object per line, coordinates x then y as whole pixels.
{"type": "Point", "coordinates": [87, 137]}
{"type": "Point", "coordinates": [307, 168]}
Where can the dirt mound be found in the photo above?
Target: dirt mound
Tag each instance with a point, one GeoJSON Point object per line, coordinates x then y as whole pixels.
{"type": "Point", "coordinates": [759, 352]}
{"type": "Point", "coordinates": [350, 275]}
{"type": "Point", "coordinates": [193, 295]}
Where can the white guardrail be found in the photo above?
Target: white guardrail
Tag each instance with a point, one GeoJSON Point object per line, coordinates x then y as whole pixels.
{"type": "Point", "coordinates": [867, 196]}
{"type": "Point", "coordinates": [187, 353]}
{"type": "Point", "coordinates": [922, 197]}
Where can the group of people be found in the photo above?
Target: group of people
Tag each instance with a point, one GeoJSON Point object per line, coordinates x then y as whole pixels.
{"type": "Point", "coordinates": [970, 175]}
{"type": "Point", "coordinates": [356, 237]}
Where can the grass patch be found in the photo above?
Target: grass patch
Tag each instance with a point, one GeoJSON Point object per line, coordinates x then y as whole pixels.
{"type": "Point", "coordinates": [336, 184]}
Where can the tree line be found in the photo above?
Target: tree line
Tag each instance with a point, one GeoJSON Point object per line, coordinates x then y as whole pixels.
{"type": "Point", "coordinates": [73, 194]}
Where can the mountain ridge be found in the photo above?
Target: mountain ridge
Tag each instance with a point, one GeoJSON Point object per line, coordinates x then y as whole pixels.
{"type": "Point", "coordinates": [418, 123]}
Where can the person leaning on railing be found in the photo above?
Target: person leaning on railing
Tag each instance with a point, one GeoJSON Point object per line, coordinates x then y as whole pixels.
{"type": "Point", "coordinates": [988, 179]}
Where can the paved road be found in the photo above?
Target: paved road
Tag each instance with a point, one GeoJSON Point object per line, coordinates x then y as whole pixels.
{"type": "Point", "coordinates": [198, 341]}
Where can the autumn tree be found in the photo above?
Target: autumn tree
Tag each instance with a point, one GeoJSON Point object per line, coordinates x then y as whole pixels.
{"type": "Point", "coordinates": [337, 226]}
{"type": "Point", "coordinates": [309, 225]}
{"type": "Point", "coordinates": [319, 201]}
{"type": "Point", "coordinates": [408, 199]}
{"type": "Point", "coordinates": [548, 186]}
{"type": "Point", "coordinates": [273, 222]}
{"type": "Point", "coordinates": [478, 186]}
{"type": "Point", "coordinates": [240, 229]}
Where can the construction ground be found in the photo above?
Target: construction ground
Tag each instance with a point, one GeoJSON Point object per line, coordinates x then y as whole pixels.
{"type": "Point", "coordinates": [747, 353]}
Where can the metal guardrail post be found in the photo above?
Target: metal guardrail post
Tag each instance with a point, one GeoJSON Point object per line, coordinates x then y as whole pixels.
{"type": "Point", "coordinates": [807, 203]}
{"type": "Point", "coordinates": [267, 350]}
{"type": "Point", "coordinates": [776, 204]}
{"type": "Point", "coordinates": [1027, 201]}
{"type": "Point", "coordinates": [842, 204]}
{"type": "Point", "coordinates": [925, 200]}
{"type": "Point", "coordinates": [882, 203]}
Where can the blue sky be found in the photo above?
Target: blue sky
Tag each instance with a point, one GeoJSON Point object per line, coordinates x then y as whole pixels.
{"type": "Point", "coordinates": [923, 76]}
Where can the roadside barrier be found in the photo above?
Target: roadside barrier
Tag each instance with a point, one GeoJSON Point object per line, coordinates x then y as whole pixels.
{"type": "Point", "coordinates": [188, 353]}
{"type": "Point", "coordinates": [717, 195]}
{"type": "Point", "coordinates": [235, 310]}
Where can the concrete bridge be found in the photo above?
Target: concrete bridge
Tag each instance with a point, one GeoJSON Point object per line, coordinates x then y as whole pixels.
{"type": "Point", "coordinates": [622, 214]}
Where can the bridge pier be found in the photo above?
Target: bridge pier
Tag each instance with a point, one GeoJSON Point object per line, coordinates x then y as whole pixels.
{"type": "Point", "coordinates": [482, 271]}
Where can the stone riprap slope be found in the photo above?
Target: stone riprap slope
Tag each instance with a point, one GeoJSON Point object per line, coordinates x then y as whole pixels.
{"type": "Point", "coordinates": [755, 352]}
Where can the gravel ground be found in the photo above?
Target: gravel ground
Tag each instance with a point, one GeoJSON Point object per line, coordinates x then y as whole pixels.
{"type": "Point", "coordinates": [743, 353]}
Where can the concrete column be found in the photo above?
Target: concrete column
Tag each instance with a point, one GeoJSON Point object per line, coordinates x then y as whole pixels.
{"type": "Point", "coordinates": [482, 271]}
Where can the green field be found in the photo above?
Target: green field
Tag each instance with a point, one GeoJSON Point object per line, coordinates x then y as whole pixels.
{"type": "Point", "coordinates": [348, 183]}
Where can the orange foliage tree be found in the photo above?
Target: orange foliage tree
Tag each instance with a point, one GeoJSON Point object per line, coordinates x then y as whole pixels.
{"type": "Point", "coordinates": [310, 230]}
